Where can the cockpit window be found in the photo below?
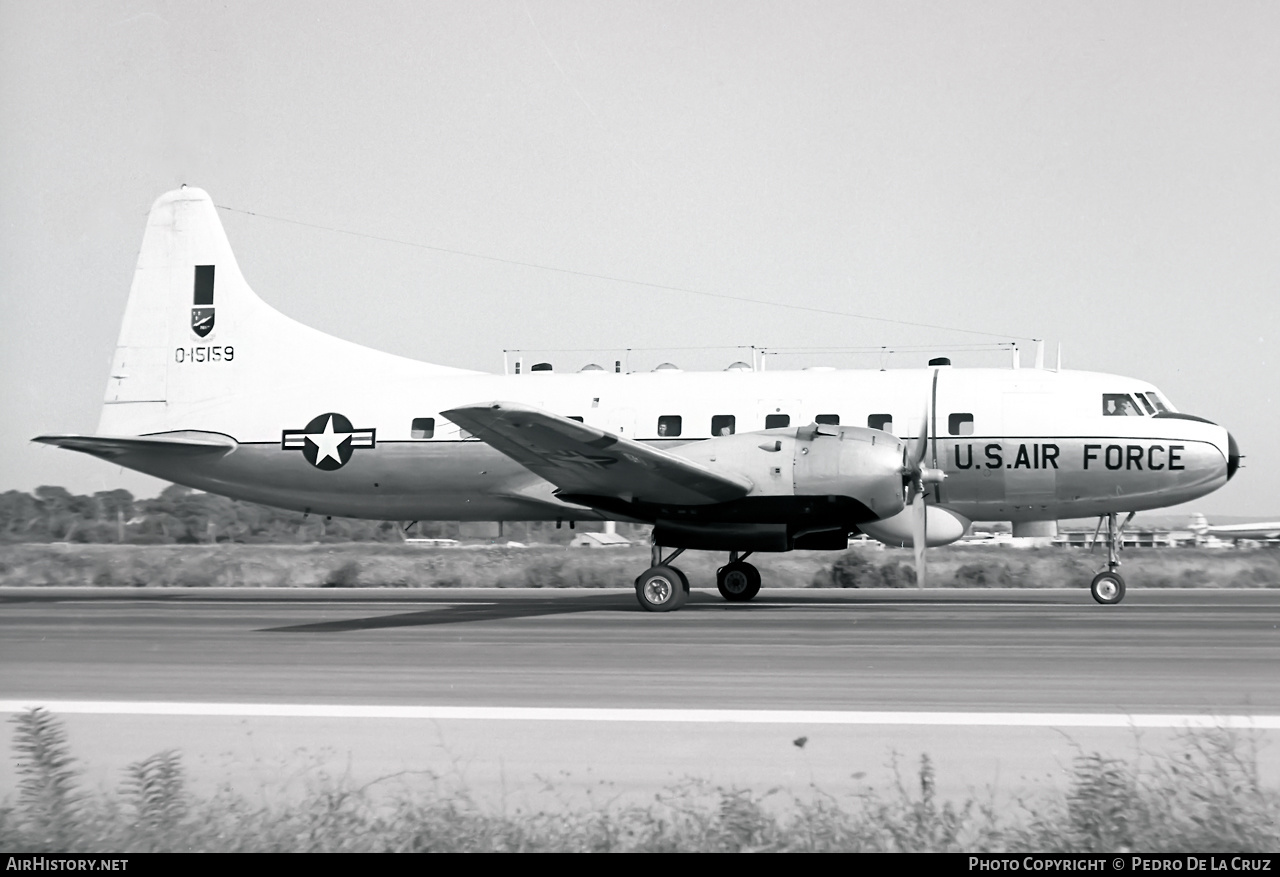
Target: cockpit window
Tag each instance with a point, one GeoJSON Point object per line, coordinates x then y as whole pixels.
{"type": "Point", "coordinates": [1119, 405]}
{"type": "Point", "coordinates": [1155, 400]}
{"type": "Point", "coordinates": [1142, 400]}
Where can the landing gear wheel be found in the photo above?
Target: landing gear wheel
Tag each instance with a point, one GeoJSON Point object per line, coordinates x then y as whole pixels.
{"type": "Point", "coordinates": [738, 582]}
{"type": "Point", "coordinates": [662, 589]}
{"type": "Point", "coordinates": [1107, 588]}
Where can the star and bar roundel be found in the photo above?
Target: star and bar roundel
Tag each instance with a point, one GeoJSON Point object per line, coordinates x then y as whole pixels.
{"type": "Point", "coordinates": [327, 441]}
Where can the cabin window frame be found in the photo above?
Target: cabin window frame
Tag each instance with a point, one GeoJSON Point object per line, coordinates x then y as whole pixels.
{"type": "Point", "coordinates": [670, 425]}
{"type": "Point", "coordinates": [957, 422]}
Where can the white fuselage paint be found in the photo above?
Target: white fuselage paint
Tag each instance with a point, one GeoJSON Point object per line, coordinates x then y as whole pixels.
{"type": "Point", "coordinates": [1039, 445]}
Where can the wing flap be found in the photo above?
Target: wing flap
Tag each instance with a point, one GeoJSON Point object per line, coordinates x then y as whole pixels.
{"type": "Point", "coordinates": [584, 460]}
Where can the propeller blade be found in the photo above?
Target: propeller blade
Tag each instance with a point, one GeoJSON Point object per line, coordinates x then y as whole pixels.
{"type": "Point", "coordinates": [920, 535]}
{"type": "Point", "coordinates": [922, 440]}
{"type": "Point", "coordinates": [914, 479]}
{"type": "Point", "coordinates": [919, 500]}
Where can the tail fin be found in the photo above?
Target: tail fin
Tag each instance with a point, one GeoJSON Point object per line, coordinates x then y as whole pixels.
{"type": "Point", "coordinates": [196, 339]}
{"type": "Point", "coordinates": [1199, 523]}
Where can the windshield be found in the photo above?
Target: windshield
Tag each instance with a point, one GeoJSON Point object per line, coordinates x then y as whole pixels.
{"type": "Point", "coordinates": [1119, 405]}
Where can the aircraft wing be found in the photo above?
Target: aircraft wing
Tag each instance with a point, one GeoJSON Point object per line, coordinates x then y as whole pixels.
{"type": "Point", "coordinates": [170, 445]}
{"type": "Point", "coordinates": [583, 460]}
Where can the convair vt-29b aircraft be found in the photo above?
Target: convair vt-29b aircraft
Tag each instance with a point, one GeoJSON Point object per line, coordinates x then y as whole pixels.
{"type": "Point", "coordinates": [212, 388]}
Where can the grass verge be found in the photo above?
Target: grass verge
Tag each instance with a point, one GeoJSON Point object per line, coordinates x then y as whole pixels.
{"type": "Point", "coordinates": [1207, 798]}
{"type": "Point", "coordinates": [408, 566]}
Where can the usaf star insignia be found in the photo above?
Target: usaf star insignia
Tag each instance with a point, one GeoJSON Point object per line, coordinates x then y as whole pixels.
{"type": "Point", "coordinates": [327, 441]}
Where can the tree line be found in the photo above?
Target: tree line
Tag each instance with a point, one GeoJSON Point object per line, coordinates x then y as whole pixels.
{"type": "Point", "coordinates": [182, 515]}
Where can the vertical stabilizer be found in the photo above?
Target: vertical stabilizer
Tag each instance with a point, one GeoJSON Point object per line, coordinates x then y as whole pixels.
{"type": "Point", "coordinates": [185, 271]}
{"type": "Point", "coordinates": [198, 350]}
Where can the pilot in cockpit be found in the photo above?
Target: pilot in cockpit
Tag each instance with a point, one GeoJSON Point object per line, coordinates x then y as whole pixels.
{"type": "Point", "coordinates": [1119, 405]}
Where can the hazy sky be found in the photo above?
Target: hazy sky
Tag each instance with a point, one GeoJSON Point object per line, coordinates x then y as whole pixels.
{"type": "Point", "coordinates": [1105, 175]}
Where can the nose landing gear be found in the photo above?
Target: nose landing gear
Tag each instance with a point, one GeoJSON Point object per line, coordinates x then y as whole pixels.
{"type": "Point", "coordinates": [1107, 586]}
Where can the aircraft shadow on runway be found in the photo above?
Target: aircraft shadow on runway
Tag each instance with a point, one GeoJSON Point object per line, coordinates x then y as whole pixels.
{"type": "Point", "coordinates": [502, 610]}
{"type": "Point", "coordinates": [464, 613]}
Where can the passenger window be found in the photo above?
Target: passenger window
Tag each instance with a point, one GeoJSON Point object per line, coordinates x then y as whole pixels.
{"type": "Point", "coordinates": [881, 421]}
{"type": "Point", "coordinates": [422, 428]}
{"type": "Point", "coordinates": [669, 425]}
{"type": "Point", "coordinates": [829, 419]}
{"type": "Point", "coordinates": [1119, 405]}
{"type": "Point", "coordinates": [722, 424]}
{"type": "Point", "coordinates": [776, 421]}
{"type": "Point", "coordinates": [960, 424]}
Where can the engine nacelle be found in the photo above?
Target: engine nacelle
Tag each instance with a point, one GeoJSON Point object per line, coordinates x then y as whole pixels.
{"type": "Point", "coordinates": [861, 464]}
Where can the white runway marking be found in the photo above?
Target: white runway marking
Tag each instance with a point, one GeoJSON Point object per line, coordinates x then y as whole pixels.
{"type": "Point", "coordinates": [702, 716]}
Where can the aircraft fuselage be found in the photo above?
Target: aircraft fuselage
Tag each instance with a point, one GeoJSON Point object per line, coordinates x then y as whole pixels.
{"type": "Point", "coordinates": [1015, 445]}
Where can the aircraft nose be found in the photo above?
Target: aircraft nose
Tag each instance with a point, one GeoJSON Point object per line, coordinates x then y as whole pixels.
{"type": "Point", "coordinates": [1233, 456]}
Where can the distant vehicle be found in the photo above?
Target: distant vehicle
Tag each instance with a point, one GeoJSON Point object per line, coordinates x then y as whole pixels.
{"type": "Point", "coordinates": [212, 388]}
{"type": "Point", "coordinates": [1267, 531]}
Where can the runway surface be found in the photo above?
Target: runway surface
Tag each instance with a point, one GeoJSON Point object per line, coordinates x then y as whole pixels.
{"type": "Point", "coordinates": [1210, 651]}
{"type": "Point", "coordinates": [945, 653]}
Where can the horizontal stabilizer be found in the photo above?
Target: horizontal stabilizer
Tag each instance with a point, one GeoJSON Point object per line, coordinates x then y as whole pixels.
{"type": "Point", "coordinates": [583, 460]}
{"type": "Point", "coordinates": [182, 444]}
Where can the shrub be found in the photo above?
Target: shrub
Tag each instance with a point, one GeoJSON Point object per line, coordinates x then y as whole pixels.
{"type": "Point", "coordinates": [346, 575]}
{"type": "Point", "coordinates": [984, 575]}
{"type": "Point", "coordinates": [853, 570]}
{"type": "Point", "coordinates": [47, 779]}
{"type": "Point", "coordinates": [850, 570]}
{"type": "Point", "coordinates": [155, 791]}
{"type": "Point", "coordinates": [896, 574]}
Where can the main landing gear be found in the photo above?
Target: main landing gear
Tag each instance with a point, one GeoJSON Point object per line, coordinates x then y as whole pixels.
{"type": "Point", "coordinates": [663, 588]}
{"type": "Point", "coordinates": [1107, 586]}
{"type": "Point", "coordinates": [738, 580]}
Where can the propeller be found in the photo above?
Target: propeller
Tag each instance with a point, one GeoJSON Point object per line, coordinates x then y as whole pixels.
{"type": "Point", "coordinates": [915, 478]}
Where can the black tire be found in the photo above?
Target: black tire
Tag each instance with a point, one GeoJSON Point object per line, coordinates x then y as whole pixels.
{"type": "Point", "coordinates": [662, 589]}
{"type": "Point", "coordinates": [1107, 588]}
{"type": "Point", "coordinates": [738, 582]}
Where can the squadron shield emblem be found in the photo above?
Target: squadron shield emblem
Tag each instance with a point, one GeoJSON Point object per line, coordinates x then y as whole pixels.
{"type": "Point", "coordinates": [327, 441]}
{"type": "Point", "coordinates": [202, 321]}
{"type": "Point", "coordinates": [202, 310]}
